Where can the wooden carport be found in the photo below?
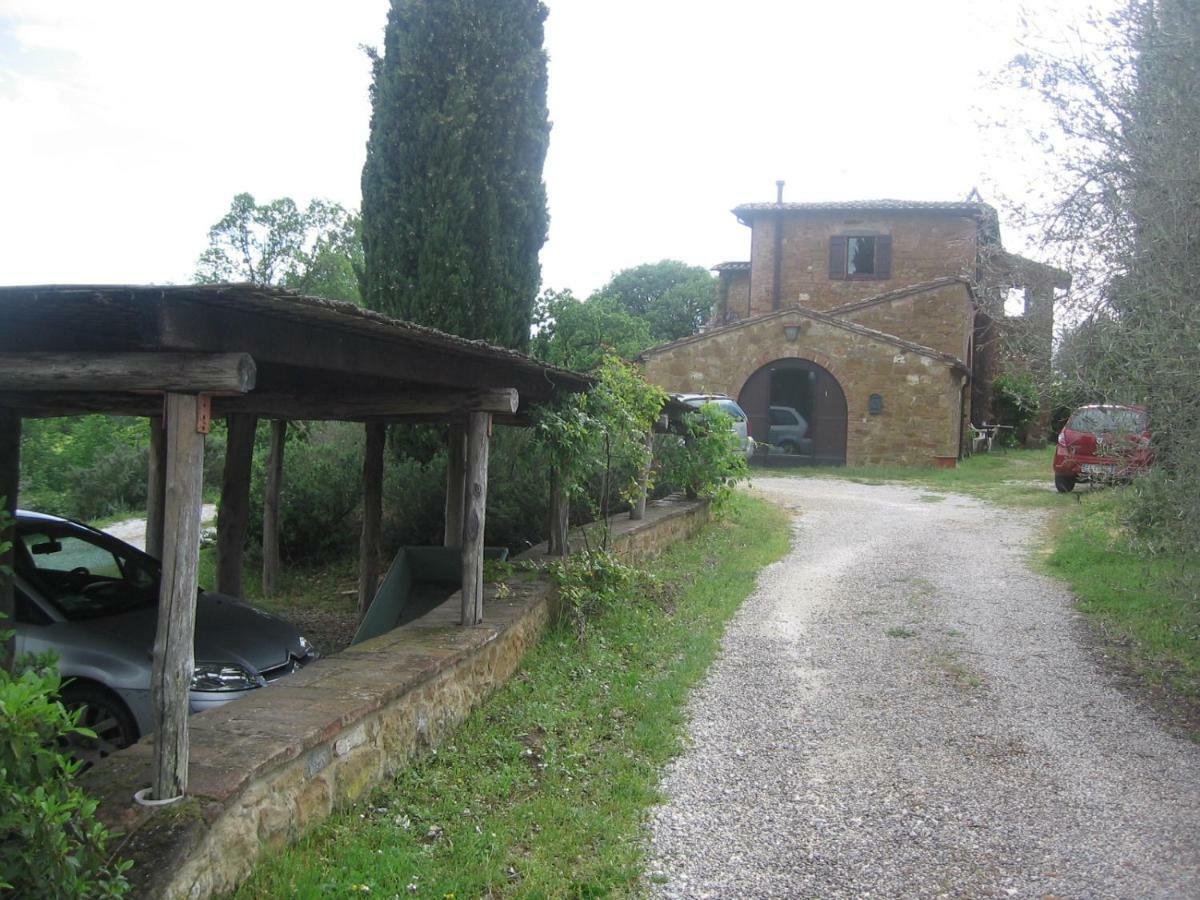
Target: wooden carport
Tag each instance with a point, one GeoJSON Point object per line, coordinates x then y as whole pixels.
{"type": "Point", "coordinates": [183, 354]}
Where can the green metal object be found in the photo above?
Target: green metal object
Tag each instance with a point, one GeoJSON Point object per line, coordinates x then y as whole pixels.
{"type": "Point", "coordinates": [400, 598]}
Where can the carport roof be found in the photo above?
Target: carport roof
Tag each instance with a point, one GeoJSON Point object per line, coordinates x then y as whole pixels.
{"type": "Point", "coordinates": [315, 358]}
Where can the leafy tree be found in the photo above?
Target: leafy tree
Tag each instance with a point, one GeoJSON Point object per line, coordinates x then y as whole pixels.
{"type": "Point", "coordinates": [673, 298]}
{"type": "Point", "coordinates": [577, 335]}
{"type": "Point", "coordinates": [315, 251]}
{"type": "Point", "coordinates": [1123, 95]}
{"type": "Point", "coordinates": [454, 207]}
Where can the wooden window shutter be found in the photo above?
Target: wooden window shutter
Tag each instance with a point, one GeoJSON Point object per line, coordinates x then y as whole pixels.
{"type": "Point", "coordinates": [837, 257]}
{"type": "Point", "coordinates": [883, 256]}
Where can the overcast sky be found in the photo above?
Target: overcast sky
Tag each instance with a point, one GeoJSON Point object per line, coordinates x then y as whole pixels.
{"type": "Point", "coordinates": [128, 125]}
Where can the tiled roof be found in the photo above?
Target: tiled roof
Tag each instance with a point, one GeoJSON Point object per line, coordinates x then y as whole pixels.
{"type": "Point", "coordinates": [900, 293]}
{"type": "Point", "coordinates": [883, 337]}
{"type": "Point", "coordinates": [732, 267]}
{"type": "Point", "coordinates": [861, 205]}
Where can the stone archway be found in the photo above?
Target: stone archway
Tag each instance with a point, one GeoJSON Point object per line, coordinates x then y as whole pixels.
{"type": "Point", "coordinates": [808, 388]}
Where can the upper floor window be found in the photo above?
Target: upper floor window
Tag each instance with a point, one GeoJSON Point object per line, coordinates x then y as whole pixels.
{"type": "Point", "coordinates": [860, 256]}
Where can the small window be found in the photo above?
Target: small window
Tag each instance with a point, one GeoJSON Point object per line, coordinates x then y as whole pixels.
{"type": "Point", "coordinates": [860, 256]}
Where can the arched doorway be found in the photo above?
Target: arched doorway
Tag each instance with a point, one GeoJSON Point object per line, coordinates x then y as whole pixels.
{"type": "Point", "coordinates": [799, 408]}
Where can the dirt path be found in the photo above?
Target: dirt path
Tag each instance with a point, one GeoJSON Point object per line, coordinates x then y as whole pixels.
{"type": "Point", "coordinates": [904, 709]}
{"type": "Point", "coordinates": [133, 531]}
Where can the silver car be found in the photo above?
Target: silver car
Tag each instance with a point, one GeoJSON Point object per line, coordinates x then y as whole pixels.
{"type": "Point", "coordinates": [741, 422]}
{"type": "Point", "coordinates": [93, 601]}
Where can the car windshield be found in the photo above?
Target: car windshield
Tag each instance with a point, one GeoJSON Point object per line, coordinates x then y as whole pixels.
{"type": "Point", "coordinates": [84, 575]}
{"type": "Point", "coordinates": [1108, 420]}
{"type": "Point", "coordinates": [724, 404]}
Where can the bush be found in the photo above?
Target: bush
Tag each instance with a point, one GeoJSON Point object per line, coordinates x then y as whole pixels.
{"type": "Point", "coordinates": [707, 460]}
{"type": "Point", "coordinates": [50, 842]}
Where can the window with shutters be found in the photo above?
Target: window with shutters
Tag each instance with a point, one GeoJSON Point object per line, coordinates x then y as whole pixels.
{"type": "Point", "coordinates": [860, 256]}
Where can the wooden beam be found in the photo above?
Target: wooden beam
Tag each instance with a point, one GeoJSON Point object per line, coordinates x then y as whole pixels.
{"type": "Point", "coordinates": [638, 511]}
{"type": "Point", "coordinates": [381, 402]}
{"type": "Point", "coordinates": [174, 641]}
{"type": "Point", "coordinates": [191, 373]}
{"type": "Point", "coordinates": [156, 487]}
{"type": "Point", "coordinates": [368, 549]}
{"type": "Point", "coordinates": [475, 517]}
{"type": "Point", "coordinates": [10, 480]}
{"type": "Point", "coordinates": [456, 487]}
{"type": "Point", "coordinates": [272, 491]}
{"type": "Point", "coordinates": [560, 516]}
{"type": "Point", "coordinates": [233, 514]}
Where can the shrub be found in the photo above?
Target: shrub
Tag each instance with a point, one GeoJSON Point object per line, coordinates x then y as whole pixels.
{"type": "Point", "coordinates": [589, 582]}
{"type": "Point", "coordinates": [706, 461]}
{"type": "Point", "coordinates": [50, 842]}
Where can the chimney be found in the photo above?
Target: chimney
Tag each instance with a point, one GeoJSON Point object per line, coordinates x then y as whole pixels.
{"type": "Point", "coordinates": [779, 192]}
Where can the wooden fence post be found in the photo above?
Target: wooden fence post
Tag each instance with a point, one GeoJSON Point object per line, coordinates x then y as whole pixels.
{"type": "Point", "coordinates": [638, 510]}
{"type": "Point", "coordinates": [156, 487]}
{"type": "Point", "coordinates": [234, 513]}
{"type": "Point", "coordinates": [456, 474]}
{"type": "Point", "coordinates": [368, 548]}
{"type": "Point", "coordinates": [271, 493]}
{"type": "Point", "coordinates": [10, 480]}
{"type": "Point", "coordinates": [174, 641]}
{"type": "Point", "coordinates": [560, 516]}
{"type": "Point", "coordinates": [478, 427]}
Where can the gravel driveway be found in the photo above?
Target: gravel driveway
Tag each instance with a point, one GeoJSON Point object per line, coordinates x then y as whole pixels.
{"type": "Point", "coordinates": [904, 709]}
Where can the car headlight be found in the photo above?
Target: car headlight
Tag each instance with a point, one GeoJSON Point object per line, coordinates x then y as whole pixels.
{"type": "Point", "coordinates": [223, 677]}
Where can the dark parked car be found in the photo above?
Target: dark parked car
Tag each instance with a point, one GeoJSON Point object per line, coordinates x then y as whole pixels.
{"type": "Point", "coordinates": [1102, 443]}
{"type": "Point", "coordinates": [93, 601]}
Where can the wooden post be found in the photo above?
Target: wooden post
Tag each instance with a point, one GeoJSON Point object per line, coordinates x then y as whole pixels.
{"type": "Point", "coordinates": [560, 516]}
{"type": "Point", "coordinates": [638, 511]}
{"type": "Point", "coordinates": [174, 641]}
{"type": "Point", "coordinates": [368, 548]}
{"type": "Point", "coordinates": [456, 486]}
{"type": "Point", "coordinates": [475, 516]}
{"type": "Point", "coordinates": [271, 492]}
{"type": "Point", "coordinates": [233, 515]}
{"type": "Point", "coordinates": [10, 479]}
{"type": "Point", "coordinates": [156, 487]}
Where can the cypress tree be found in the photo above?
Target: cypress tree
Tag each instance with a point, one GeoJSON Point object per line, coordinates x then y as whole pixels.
{"type": "Point", "coordinates": [454, 207]}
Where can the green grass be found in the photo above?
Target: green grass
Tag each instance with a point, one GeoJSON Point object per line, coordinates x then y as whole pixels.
{"type": "Point", "coordinates": [1018, 478]}
{"type": "Point", "coordinates": [542, 792]}
{"type": "Point", "coordinates": [1148, 607]}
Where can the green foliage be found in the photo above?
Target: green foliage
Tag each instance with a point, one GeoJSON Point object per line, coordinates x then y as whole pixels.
{"type": "Point", "coordinates": [316, 251]}
{"type": "Point", "coordinates": [1124, 113]}
{"type": "Point", "coordinates": [596, 442]}
{"type": "Point", "coordinates": [578, 335]}
{"type": "Point", "coordinates": [591, 582]}
{"type": "Point", "coordinates": [1016, 398]}
{"type": "Point", "coordinates": [707, 461]}
{"type": "Point", "coordinates": [673, 298]}
{"type": "Point", "coordinates": [52, 845]}
{"type": "Point", "coordinates": [454, 208]}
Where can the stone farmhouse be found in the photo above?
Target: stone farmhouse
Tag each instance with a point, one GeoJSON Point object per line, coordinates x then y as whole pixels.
{"type": "Point", "coordinates": [881, 322]}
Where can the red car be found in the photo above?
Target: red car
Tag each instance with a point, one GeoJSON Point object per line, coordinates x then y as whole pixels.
{"type": "Point", "coordinates": [1102, 443]}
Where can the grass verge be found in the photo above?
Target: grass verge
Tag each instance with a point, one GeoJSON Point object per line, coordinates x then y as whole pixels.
{"type": "Point", "coordinates": [1017, 478]}
{"type": "Point", "coordinates": [1146, 607]}
{"type": "Point", "coordinates": [543, 790]}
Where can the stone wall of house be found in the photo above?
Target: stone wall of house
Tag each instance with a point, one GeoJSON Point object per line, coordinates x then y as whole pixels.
{"type": "Point", "coordinates": [922, 396]}
{"type": "Point", "coordinates": [925, 245]}
{"type": "Point", "coordinates": [941, 318]}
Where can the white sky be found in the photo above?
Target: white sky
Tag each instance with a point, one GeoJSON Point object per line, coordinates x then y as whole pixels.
{"type": "Point", "coordinates": [128, 125]}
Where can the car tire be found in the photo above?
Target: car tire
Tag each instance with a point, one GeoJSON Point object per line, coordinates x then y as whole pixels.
{"type": "Point", "coordinates": [105, 714]}
{"type": "Point", "coordinates": [791, 448]}
{"type": "Point", "coordinates": [1064, 484]}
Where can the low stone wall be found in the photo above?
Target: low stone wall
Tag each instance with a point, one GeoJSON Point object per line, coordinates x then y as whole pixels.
{"type": "Point", "coordinates": [265, 769]}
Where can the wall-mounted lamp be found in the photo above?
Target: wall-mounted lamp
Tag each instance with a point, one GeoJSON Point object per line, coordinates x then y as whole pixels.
{"type": "Point", "coordinates": [791, 332]}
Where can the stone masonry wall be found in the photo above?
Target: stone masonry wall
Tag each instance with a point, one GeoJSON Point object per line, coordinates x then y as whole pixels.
{"type": "Point", "coordinates": [921, 413]}
{"type": "Point", "coordinates": [267, 768]}
{"type": "Point", "coordinates": [925, 245]}
{"type": "Point", "coordinates": [941, 318]}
